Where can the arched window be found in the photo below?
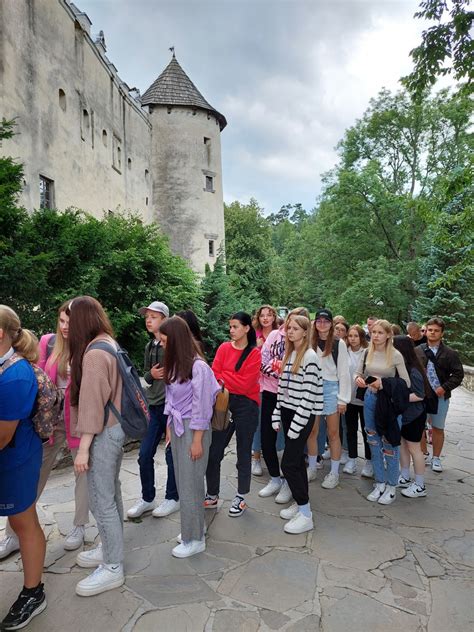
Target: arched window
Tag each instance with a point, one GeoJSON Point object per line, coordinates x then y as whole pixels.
{"type": "Point", "coordinates": [62, 99]}
{"type": "Point", "coordinates": [104, 137]}
{"type": "Point", "coordinates": [129, 163]}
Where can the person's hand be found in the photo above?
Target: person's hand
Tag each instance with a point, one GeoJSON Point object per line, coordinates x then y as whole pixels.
{"type": "Point", "coordinates": [167, 436]}
{"type": "Point", "coordinates": [157, 372]}
{"type": "Point", "coordinates": [81, 462]}
{"type": "Point", "coordinates": [361, 382]}
{"type": "Point", "coordinates": [341, 408]}
{"type": "Point", "coordinates": [276, 426]}
{"type": "Point", "coordinates": [377, 385]}
{"type": "Point", "coordinates": [195, 451]}
{"type": "Point", "coordinates": [291, 434]}
{"type": "Point", "coordinates": [440, 391]}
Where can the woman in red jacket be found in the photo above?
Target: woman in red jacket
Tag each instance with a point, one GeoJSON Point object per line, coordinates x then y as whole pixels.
{"type": "Point", "coordinates": [237, 365]}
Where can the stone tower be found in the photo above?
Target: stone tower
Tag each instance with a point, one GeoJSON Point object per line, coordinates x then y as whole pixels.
{"type": "Point", "coordinates": [185, 166]}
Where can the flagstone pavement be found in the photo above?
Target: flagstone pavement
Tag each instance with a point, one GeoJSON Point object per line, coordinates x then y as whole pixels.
{"type": "Point", "coordinates": [365, 568]}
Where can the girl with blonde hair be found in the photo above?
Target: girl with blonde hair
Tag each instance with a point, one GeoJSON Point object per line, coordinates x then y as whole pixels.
{"type": "Point", "coordinates": [20, 463]}
{"type": "Point", "coordinates": [299, 399]}
{"type": "Point", "coordinates": [382, 361]}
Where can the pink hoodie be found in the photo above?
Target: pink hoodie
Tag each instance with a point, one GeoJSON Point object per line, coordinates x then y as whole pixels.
{"type": "Point", "coordinates": [273, 349]}
{"type": "Point", "coordinates": [52, 370]}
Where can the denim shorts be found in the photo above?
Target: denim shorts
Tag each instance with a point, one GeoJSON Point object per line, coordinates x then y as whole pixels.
{"type": "Point", "coordinates": [438, 421]}
{"type": "Point", "coordinates": [330, 390]}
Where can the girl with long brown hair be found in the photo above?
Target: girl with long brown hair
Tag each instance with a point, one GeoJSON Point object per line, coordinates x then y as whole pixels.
{"type": "Point", "coordinates": [191, 390]}
{"type": "Point", "coordinates": [299, 398]}
{"type": "Point", "coordinates": [95, 380]}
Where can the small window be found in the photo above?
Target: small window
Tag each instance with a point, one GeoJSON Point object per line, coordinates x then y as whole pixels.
{"type": "Point", "coordinates": [147, 175]}
{"type": "Point", "coordinates": [119, 158]}
{"type": "Point", "coordinates": [211, 247]}
{"type": "Point", "coordinates": [46, 192]}
{"type": "Point", "coordinates": [62, 100]}
{"type": "Point", "coordinates": [117, 154]}
{"type": "Point", "coordinates": [104, 137]}
{"type": "Point", "coordinates": [210, 184]}
{"type": "Point", "coordinates": [146, 201]}
{"type": "Point", "coordinates": [207, 141]}
{"type": "Point", "coordinates": [85, 124]}
{"type": "Point", "coordinates": [129, 163]}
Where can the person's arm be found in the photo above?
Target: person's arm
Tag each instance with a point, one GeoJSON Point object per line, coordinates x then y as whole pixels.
{"type": "Point", "coordinates": [359, 374]}
{"type": "Point", "coordinates": [147, 366]}
{"type": "Point", "coordinates": [81, 462]}
{"type": "Point", "coordinates": [457, 374]}
{"type": "Point", "coordinates": [7, 430]}
{"type": "Point", "coordinates": [217, 365]}
{"type": "Point", "coordinates": [401, 367]}
{"type": "Point", "coordinates": [276, 415]}
{"type": "Point", "coordinates": [96, 391]}
{"type": "Point", "coordinates": [204, 389]}
{"type": "Point", "coordinates": [309, 391]}
{"type": "Point", "coordinates": [417, 386]}
{"type": "Point", "coordinates": [344, 376]}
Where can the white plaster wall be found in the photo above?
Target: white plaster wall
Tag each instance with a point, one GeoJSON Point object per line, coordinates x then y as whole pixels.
{"type": "Point", "coordinates": [43, 50]}
{"type": "Point", "coordinates": [188, 214]}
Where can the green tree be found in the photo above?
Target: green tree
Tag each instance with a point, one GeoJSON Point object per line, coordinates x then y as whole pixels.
{"type": "Point", "coordinates": [446, 47]}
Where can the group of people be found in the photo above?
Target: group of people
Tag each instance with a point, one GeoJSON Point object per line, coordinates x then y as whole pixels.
{"type": "Point", "coordinates": [298, 391]}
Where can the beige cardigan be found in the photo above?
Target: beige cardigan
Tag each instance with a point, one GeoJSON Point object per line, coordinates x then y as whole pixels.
{"type": "Point", "coordinates": [101, 381]}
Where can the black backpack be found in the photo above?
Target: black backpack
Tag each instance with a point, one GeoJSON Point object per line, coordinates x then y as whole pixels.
{"type": "Point", "coordinates": [135, 415]}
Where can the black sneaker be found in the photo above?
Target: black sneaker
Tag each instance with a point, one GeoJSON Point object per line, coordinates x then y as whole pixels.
{"type": "Point", "coordinates": [30, 603]}
{"type": "Point", "coordinates": [238, 507]}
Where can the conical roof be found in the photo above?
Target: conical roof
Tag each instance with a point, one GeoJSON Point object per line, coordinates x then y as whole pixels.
{"type": "Point", "coordinates": [174, 87]}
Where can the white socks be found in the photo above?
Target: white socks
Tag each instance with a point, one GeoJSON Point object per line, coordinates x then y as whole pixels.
{"type": "Point", "coordinates": [335, 467]}
{"type": "Point", "coordinates": [312, 461]}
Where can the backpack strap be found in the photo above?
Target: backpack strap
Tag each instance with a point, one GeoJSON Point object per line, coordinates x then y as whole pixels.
{"type": "Point", "coordinates": [50, 346]}
{"type": "Point", "coordinates": [366, 352]}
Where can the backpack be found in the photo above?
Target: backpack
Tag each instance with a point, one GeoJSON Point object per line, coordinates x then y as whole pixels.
{"type": "Point", "coordinates": [48, 407]}
{"type": "Point", "coordinates": [135, 415]}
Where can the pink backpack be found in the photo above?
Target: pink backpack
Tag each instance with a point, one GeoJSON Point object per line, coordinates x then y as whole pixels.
{"type": "Point", "coordinates": [48, 408]}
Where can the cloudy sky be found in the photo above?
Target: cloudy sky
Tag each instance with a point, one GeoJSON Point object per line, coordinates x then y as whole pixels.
{"type": "Point", "coordinates": [289, 75]}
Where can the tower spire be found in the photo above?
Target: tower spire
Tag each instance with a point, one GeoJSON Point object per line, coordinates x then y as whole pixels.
{"type": "Point", "coordinates": [172, 50]}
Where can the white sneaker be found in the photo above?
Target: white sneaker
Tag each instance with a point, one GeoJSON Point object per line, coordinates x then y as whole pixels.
{"type": "Point", "coordinates": [299, 524]}
{"type": "Point", "coordinates": [389, 496]}
{"type": "Point", "coordinates": [311, 473]}
{"type": "Point", "coordinates": [139, 508]}
{"type": "Point", "coordinates": [403, 482]}
{"type": "Point", "coordinates": [350, 467]}
{"type": "Point", "coordinates": [75, 539]}
{"type": "Point", "coordinates": [189, 548]}
{"type": "Point", "coordinates": [319, 463]}
{"type": "Point", "coordinates": [284, 495]}
{"type": "Point", "coordinates": [166, 508]}
{"type": "Point", "coordinates": [344, 457]}
{"type": "Point", "coordinates": [90, 558]}
{"type": "Point", "coordinates": [9, 545]}
{"type": "Point", "coordinates": [436, 464]}
{"type": "Point", "coordinates": [257, 467]}
{"type": "Point", "coordinates": [414, 491]}
{"type": "Point", "coordinates": [271, 488]}
{"type": "Point", "coordinates": [105, 577]}
{"type": "Point", "coordinates": [367, 470]}
{"type": "Point", "coordinates": [290, 512]}
{"type": "Point", "coordinates": [427, 459]}
{"type": "Point", "coordinates": [326, 455]}
{"type": "Point", "coordinates": [331, 481]}
{"type": "Point", "coordinates": [376, 493]}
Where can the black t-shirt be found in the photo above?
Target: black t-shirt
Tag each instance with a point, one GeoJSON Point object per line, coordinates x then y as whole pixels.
{"type": "Point", "coordinates": [420, 341]}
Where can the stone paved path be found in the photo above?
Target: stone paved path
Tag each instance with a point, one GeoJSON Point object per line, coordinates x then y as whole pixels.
{"type": "Point", "coordinates": [365, 568]}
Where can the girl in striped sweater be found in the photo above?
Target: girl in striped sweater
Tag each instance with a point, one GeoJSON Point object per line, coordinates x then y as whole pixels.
{"type": "Point", "coordinates": [299, 399]}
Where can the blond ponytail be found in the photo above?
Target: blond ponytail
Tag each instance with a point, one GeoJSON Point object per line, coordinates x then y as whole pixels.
{"type": "Point", "coordinates": [23, 341]}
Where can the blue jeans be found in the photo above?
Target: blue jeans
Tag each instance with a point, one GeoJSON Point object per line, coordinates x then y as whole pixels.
{"type": "Point", "coordinates": [322, 435]}
{"type": "Point", "coordinates": [146, 456]}
{"type": "Point", "coordinates": [385, 457]}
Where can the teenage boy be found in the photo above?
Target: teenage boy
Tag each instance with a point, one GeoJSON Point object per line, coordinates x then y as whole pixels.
{"type": "Point", "coordinates": [154, 315]}
{"type": "Point", "coordinates": [445, 373]}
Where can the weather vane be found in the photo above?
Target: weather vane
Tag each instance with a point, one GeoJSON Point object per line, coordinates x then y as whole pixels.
{"type": "Point", "coordinates": [172, 50]}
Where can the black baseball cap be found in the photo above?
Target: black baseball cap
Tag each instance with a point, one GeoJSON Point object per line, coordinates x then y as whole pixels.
{"type": "Point", "coordinates": [324, 313]}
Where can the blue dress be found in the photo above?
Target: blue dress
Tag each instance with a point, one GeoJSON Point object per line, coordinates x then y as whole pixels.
{"type": "Point", "coordinates": [20, 461]}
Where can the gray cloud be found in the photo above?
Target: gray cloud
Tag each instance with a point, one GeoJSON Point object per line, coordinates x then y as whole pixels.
{"type": "Point", "coordinates": [289, 75]}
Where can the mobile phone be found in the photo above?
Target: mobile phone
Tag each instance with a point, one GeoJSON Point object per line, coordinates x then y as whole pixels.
{"type": "Point", "coordinates": [370, 379]}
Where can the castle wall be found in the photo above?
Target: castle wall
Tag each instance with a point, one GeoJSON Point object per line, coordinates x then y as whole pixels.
{"type": "Point", "coordinates": [188, 206]}
{"type": "Point", "coordinates": [76, 124]}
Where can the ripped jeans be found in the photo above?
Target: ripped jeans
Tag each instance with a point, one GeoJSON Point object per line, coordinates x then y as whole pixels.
{"type": "Point", "coordinates": [385, 457]}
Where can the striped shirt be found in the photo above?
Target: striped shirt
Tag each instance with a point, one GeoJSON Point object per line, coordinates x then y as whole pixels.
{"type": "Point", "coordinates": [301, 391]}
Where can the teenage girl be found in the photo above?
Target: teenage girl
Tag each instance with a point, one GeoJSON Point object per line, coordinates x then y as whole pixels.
{"type": "Point", "coordinates": [299, 398]}
{"type": "Point", "coordinates": [357, 348]}
{"type": "Point", "coordinates": [264, 322]}
{"type": "Point", "coordinates": [237, 365]}
{"type": "Point", "coordinates": [413, 422]}
{"type": "Point", "coordinates": [191, 390]}
{"type": "Point", "coordinates": [20, 463]}
{"type": "Point", "coordinates": [382, 360]}
{"type": "Point", "coordinates": [336, 396]}
{"type": "Point", "coordinates": [95, 380]}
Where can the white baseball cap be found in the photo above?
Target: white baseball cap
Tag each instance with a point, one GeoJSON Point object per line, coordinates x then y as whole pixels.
{"type": "Point", "coordinates": [156, 306]}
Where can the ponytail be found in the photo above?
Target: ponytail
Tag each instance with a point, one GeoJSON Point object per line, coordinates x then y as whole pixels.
{"type": "Point", "coordinates": [23, 341]}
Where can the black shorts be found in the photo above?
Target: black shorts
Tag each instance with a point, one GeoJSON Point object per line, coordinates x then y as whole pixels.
{"type": "Point", "coordinates": [414, 430]}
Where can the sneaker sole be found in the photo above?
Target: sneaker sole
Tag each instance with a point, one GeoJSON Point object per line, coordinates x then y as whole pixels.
{"type": "Point", "coordinates": [90, 592]}
{"type": "Point", "coordinates": [134, 517]}
{"type": "Point", "coordinates": [163, 515]}
{"type": "Point", "coordinates": [297, 531]}
{"type": "Point", "coordinates": [34, 614]}
{"type": "Point", "coordinates": [89, 563]}
{"type": "Point", "coordinates": [210, 506]}
{"type": "Point", "coordinates": [417, 496]}
{"type": "Point", "coordinates": [275, 493]}
{"type": "Point", "coordinates": [237, 515]}
{"type": "Point", "coordinates": [181, 557]}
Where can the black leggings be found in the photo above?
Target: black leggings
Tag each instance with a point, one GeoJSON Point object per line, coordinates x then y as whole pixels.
{"type": "Point", "coordinates": [293, 464]}
{"type": "Point", "coordinates": [353, 414]}
{"type": "Point", "coordinates": [269, 436]}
